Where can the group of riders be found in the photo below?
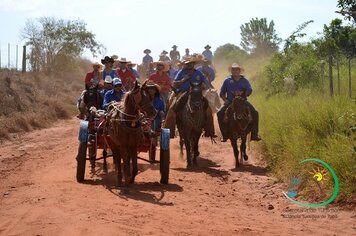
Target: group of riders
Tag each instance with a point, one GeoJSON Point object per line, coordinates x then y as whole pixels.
{"type": "Point", "coordinates": [174, 76]}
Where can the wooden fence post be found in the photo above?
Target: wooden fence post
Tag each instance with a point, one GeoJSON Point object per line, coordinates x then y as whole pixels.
{"type": "Point", "coordinates": [331, 85]}
{"type": "Point", "coordinates": [24, 59]}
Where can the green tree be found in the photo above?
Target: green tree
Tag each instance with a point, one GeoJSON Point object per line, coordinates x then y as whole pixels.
{"type": "Point", "coordinates": [230, 53]}
{"type": "Point", "coordinates": [259, 37]}
{"type": "Point", "coordinates": [348, 8]}
{"type": "Point", "coordinates": [292, 39]}
{"type": "Point", "coordinates": [56, 43]}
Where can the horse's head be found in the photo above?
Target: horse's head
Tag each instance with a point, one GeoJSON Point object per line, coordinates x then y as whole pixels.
{"type": "Point", "coordinates": [142, 97]}
{"type": "Point", "coordinates": [240, 106]}
{"type": "Point", "coordinates": [196, 95]}
{"type": "Point", "coordinates": [92, 99]}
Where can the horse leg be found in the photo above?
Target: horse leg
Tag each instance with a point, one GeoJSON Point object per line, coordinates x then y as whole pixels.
{"type": "Point", "coordinates": [181, 143]}
{"type": "Point", "coordinates": [117, 161]}
{"type": "Point", "coordinates": [236, 152]}
{"type": "Point", "coordinates": [125, 155]}
{"type": "Point", "coordinates": [105, 165]}
{"type": "Point", "coordinates": [243, 148]}
{"type": "Point", "coordinates": [188, 150]}
{"type": "Point", "coordinates": [195, 151]}
{"type": "Point", "coordinates": [133, 154]}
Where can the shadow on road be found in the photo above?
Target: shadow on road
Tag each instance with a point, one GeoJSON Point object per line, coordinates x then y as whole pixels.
{"type": "Point", "coordinates": [255, 170]}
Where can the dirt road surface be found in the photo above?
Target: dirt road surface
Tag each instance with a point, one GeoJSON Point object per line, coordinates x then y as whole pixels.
{"type": "Point", "coordinates": [39, 195]}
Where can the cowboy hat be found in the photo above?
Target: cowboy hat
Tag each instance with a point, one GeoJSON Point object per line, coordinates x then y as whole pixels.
{"type": "Point", "coordinates": [114, 57]}
{"type": "Point", "coordinates": [108, 79]}
{"type": "Point", "coordinates": [147, 51]}
{"type": "Point", "coordinates": [165, 64]}
{"type": "Point", "coordinates": [164, 52]}
{"type": "Point", "coordinates": [132, 64]}
{"type": "Point", "coordinates": [174, 46]}
{"type": "Point", "coordinates": [191, 59]}
{"type": "Point", "coordinates": [96, 64]}
{"type": "Point", "coordinates": [207, 46]}
{"type": "Point", "coordinates": [123, 60]}
{"type": "Point", "coordinates": [235, 65]}
{"type": "Point", "coordinates": [107, 60]}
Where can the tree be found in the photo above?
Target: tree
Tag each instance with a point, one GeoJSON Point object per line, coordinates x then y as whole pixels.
{"type": "Point", "coordinates": [259, 37]}
{"type": "Point", "coordinates": [296, 34]}
{"type": "Point", "coordinates": [56, 43]}
{"type": "Point", "coordinates": [230, 53]}
{"type": "Point", "coordinates": [348, 8]}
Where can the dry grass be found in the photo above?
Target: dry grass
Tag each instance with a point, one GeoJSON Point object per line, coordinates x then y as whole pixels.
{"type": "Point", "coordinates": [32, 100]}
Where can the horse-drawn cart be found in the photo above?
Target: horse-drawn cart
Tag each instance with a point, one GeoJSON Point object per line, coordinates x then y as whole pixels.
{"type": "Point", "coordinates": [93, 136]}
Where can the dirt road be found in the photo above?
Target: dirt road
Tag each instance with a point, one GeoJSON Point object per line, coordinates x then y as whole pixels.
{"type": "Point", "coordinates": [40, 196]}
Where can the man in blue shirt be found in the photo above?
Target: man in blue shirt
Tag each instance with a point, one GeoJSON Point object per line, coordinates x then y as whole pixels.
{"type": "Point", "coordinates": [146, 61]}
{"type": "Point", "coordinates": [207, 53]}
{"type": "Point", "coordinates": [114, 95]}
{"type": "Point", "coordinates": [236, 84]}
{"type": "Point", "coordinates": [181, 86]}
{"type": "Point", "coordinates": [208, 71]}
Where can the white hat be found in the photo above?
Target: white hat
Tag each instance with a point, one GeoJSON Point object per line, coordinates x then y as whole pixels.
{"type": "Point", "coordinates": [116, 81]}
{"type": "Point", "coordinates": [108, 79]}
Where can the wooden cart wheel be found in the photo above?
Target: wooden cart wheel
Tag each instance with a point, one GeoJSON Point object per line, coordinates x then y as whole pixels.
{"type": "Point", "coordinates": [164, 156]}
{"type": "Point", "coordinates": [81, 159]}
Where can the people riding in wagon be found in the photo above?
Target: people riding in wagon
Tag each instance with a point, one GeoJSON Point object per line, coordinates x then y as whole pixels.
{"type": "Point", "coordinates": [107, 86]}
{"type": "Point", "coordinates": [108, 62]}
{"type": "Point", "coordinates": [186, 55]}
{"type": "Point", "coordinates": [181, 85]}
{"type": "Point", "coordinates": [161, 78]}
{"type": "Point", "coordinates": [131, 66]}
{"type": "Point", "coordinates": [127, 77]}
{"type": "Point", "coordinates": [114, 95]}
{"type": "Point", "coordinates": [207, 53]}
{"type": "Point", "coordinates": [236, 84]}
{"type": "Point", "coordinates": [89, 98]}
{"type": "Point", "coordinates": [159, 105]}
{"type": "Point", "coordinates": [208, 71]}
{"type": "Point", "coordinates": [174, 55]}
{"type": "Point", "coordinates": [92, 77]}
{"type": "Point", "coordinates": [146, 61]}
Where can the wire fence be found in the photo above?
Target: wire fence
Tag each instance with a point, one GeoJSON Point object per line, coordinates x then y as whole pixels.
{"type": "Point", "coordinates": [12, 57]}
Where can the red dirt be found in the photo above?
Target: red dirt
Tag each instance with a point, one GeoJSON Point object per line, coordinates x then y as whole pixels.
{"type": "Point", "coordinates": [40, 196]}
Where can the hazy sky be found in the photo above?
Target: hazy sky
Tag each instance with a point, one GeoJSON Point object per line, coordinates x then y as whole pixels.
{"type": "Point", "coordinates": [127, 27]}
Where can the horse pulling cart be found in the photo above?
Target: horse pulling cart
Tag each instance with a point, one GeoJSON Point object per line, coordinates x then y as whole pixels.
{"type": "Point", "coordinates": [94, 136]}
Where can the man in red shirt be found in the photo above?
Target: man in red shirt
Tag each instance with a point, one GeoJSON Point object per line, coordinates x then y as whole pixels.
{"type": "Point", "coordinates": [93, 75]}
{"type": "Point", "coordinates": [127, 77]}
{"type": "Point", "coordinates": [160, 77]}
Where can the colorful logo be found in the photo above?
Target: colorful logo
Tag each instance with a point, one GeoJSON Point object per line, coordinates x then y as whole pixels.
{"type": "Point", "coordinates": [314, 178]}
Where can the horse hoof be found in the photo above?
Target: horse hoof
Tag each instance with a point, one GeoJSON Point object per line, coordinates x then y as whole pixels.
{"type": "Point", "coordinates": [125, 190]}
{"type": "Point", "coordinates": [245, 157]}
{"type": "Point", "coordinates": [119, 184]}
{"type": "Point", "coordinates": [189, 166]}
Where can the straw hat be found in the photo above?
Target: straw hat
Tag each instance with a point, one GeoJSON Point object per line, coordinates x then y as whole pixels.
{"type": "Point", "coordinates": [123, 60]}
{"type": "Point", "coordinates": [235, 65]}
{"type": "Point", "coordinates": [96, 64]}
{"type": "Point", "coordinates": [165, 64]}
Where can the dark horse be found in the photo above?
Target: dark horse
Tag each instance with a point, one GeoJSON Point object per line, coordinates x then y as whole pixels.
{"type": "Point", "coordinates": [239, 124]}
{"type": "Point", "coordinates": [126, 132]}
{"type": "Point", "coordinates": [190, 122]}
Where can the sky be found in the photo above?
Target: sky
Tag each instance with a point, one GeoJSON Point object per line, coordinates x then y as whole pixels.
{"type": "Point", "coordinates": [127, 27]}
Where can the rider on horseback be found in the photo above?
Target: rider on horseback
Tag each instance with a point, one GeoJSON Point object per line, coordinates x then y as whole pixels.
{"type": "Point", "coordinates": [181, 86]}
{"type": "Point", "coordinates": [238, 85]}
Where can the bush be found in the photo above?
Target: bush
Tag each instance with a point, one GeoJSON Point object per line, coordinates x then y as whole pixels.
{"type": "Point", "coordinates": [310, 125]}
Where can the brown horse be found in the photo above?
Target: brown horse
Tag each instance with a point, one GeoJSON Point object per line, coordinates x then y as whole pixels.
{"type": "Point", "coordinates": [126, 132]}
{"type": "Point", "coordinates": [239, 124]}
{"type": "Point", "coordinates": [190, 122]}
